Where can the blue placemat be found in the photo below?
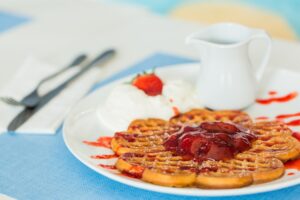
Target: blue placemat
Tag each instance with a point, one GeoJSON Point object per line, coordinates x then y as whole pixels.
{"type": "Point", "coordinates": [41, 167]}
{"type": "Point", "coordinates": [10, 20]}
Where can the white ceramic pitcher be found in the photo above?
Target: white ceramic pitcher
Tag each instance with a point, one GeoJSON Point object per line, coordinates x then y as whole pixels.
{"type": "Point", "coordinates": [227, 79]}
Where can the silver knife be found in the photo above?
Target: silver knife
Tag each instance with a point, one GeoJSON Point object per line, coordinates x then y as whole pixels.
{"type": "Point", "coordinates": [23, 116]}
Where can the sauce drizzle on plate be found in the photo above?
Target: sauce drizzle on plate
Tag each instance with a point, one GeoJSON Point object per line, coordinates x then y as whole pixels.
{"type": "Point", "coordinates": [284, 116]}
{"type": "Point", "coordinates": [105, 156]}
{"type": "Point", "coordinates": [112, 167]}
{"type": "Point", "coordinates": [262, 118]}
{"type": "Point", "coordinates": [293, 164]}
{"type": "Point", "coordinates": [288, 97]}
{"type": "Point", "coordinates": [101, 142]}
{"type": "Point", "coordinates": [272, 93]}
{"type": "Point", "coordinates": [291, 174]}
{"type": "Point", "coordinates": [293, 123]}
{"type": "Point", "coordinates": [104, 142]}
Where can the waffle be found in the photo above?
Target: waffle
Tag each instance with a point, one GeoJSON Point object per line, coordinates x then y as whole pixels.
{"type": "Point", "coordinates": [143, 155]}
{"type": "Point", "coordinates": [197, 116]}
{"type": "Point", "coordinates": [275, 140]}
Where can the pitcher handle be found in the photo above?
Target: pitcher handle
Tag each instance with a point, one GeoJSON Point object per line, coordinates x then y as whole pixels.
{"type": "Point", "coordinates": [262, 67]}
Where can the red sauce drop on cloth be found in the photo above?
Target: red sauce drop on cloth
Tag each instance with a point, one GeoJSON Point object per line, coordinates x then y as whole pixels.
{"type": "Point", "coordinates": [101, 142]}
{"type": "Point", "coordinates": [210, 140]}
{"type": "Point", "coordinates": [294, 164]}
{"type": "Point", "coordinates": [285, 98]}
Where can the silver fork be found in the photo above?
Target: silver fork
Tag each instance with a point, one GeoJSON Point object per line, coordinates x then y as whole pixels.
{"type": "Point", "coordinates": [33, 98]}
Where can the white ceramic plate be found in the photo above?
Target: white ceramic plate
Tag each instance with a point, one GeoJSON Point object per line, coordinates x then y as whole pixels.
{"type": "Point", "coordinates": [82, 124]}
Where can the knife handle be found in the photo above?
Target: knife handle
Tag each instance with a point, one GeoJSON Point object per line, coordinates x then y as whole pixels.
{"type": "Point", "coordinates": [99, 59]}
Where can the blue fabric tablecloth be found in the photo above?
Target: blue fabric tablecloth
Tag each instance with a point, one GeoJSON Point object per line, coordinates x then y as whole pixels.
{"type": "Point", "coordinates": [10, 20]}
{"type": "Point", "coordinates": [41, 167]}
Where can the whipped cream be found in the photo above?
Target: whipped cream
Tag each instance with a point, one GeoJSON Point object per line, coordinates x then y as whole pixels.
{"type": "Point", "coordinates": [126, 103]}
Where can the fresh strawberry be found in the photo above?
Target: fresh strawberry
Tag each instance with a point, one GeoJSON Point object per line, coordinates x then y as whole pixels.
{"type": "Point", "coordinates": [151, 84]}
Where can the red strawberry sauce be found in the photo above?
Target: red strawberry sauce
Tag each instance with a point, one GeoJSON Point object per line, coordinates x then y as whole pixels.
{"type": "Point", "coordinates": [293, 164]}
{"type": "Point", "coordinates": [104, 156]}
{"type": "Point", "coordinates": [101, 142]}
{"type": "Point", "coordinates": [210, 140]}
{"type": "Point", "coordinates": [279, 99]}
{"type": "Point", "coordinates": [112, 167]}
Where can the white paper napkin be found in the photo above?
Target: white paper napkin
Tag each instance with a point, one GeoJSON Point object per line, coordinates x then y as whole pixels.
{"type": "Point", "coordinates": [49, 118]}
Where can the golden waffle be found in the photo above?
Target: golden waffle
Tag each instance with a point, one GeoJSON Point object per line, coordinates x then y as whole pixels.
{"type": "Point", "coordinates": [142, 136]}
{"type": "Point", "coordinates": [197, 116]}
{"type": "Point", "coordinates": [143, 155]}
{"type": "Point", "coordinates": [275, 140]}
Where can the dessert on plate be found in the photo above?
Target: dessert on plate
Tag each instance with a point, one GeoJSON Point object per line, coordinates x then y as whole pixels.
{"type": "Point", "coordinates": [172, 141]}
{"type": "Point", "coordinates": [208, 149]}
{"type": "Point", "coordinates": [146, 96]}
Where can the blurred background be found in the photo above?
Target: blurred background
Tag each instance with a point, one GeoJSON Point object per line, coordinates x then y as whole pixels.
{"type": "Point", "coordinates": [56, 30]}
{"type": "Point", "coordinates": [280, 18]}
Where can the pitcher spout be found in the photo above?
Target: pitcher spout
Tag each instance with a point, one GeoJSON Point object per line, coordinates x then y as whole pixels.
{"type": "Point", "coordinates": [196, 39]}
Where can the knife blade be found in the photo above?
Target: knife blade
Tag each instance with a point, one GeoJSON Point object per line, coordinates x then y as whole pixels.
{"type": "Point", "coordinates": [27, 113]}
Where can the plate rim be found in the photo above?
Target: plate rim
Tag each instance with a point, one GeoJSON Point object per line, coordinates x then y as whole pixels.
{"type": "Point", "coordinates": [197, 192]}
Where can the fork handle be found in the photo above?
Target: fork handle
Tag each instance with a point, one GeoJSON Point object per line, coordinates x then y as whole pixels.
{"type": "Point", "coordinates": [99, 59]}
{"type": "Point", "coordinates": [33, 98]}
{"type": "Point", "coordinates": [79, 59]}
{"type": "Point", "coordinates": [33, 102]}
